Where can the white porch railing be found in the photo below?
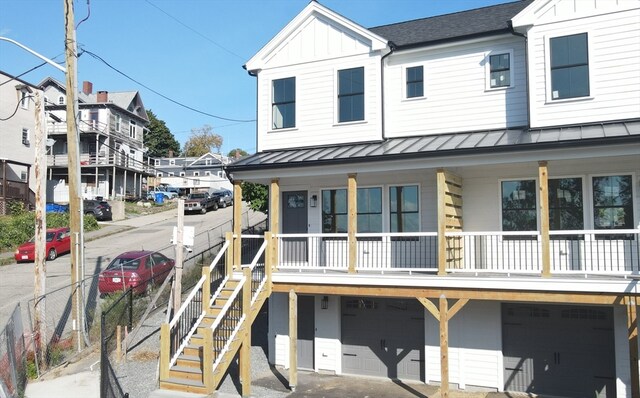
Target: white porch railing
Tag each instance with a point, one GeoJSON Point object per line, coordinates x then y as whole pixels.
{"type": "Point", "coordinates": [397, 251]}
{"type": "Point", "coordinates": [313, 251]}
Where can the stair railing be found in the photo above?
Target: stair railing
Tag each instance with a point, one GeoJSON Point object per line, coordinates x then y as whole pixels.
{"type": "Point", "coordinates": [257, 272]}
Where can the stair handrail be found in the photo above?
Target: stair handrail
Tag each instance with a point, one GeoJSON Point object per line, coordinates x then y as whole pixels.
{"type": "Point", "coordinates": [227, 305]}
{"type": "Point", "coordinates": [186, 302]}
{"type": "Point", "coordinates": [252, 266]}
{"type": "Point", "coordinates": [221, 253]}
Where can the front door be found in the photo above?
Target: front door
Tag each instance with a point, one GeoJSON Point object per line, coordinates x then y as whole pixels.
{"type": "Point", "coordinates": [294, 221]}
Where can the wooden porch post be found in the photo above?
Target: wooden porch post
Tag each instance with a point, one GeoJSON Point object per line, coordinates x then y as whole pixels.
{"type": "Point", "coordinates": [245, 348]}
{"type": "Point", "coordinates": [229, 257]}
{"type": "Point", "coordinates": [543, 176]}
{"type": "Point", "coordinates": [442, 223]}
{"type": "Point", "coordinates": [293, 340]}
{"type": "Point", "coordinates": [632, 333]}
{"type": "Point", "coordinates": [352, 228]}
{"type": "Point", "coordinates": [274, 218]}
{"type": "Point", "coordinates": [165, 351]}
{"type": "Point", "coordinates": [237, 223]}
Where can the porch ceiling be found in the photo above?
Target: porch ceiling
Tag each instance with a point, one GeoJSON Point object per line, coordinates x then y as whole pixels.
{"type": "Point", "coordinates": [441, 145]}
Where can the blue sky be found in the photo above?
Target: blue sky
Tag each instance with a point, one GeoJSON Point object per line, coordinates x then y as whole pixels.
{"type": "Point", "coordinates": [191, 51]}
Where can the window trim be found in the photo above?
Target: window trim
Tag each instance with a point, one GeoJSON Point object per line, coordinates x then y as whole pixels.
{"type": "Point", "coordinates": [337, 96]}
{"type": "Point", "coordinates": [272, 128]}
{"type": "Point", "coordinates": [487, 69]}
{"type": "Point", "coordinates": [405, 82]}
{"type": "Point", "coordinates": [547, 60]}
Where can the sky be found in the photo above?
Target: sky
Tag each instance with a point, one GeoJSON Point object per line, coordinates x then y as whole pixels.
{"type": "Point", "coordinates": [180, 52]}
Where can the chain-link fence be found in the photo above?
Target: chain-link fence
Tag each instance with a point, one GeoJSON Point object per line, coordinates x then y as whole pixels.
{"type": "Point", "coordinates": [13, 357]}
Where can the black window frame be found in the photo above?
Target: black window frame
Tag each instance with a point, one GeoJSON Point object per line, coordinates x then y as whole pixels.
{"type": "Point", "coordinates": [519, 208]}
{"type": "Point", "coordinates": [574, 66]}
{"type": "Point", "coordinates": [627, 208]}
{"type": "Point", "coordinates": [349, 94]}
{"type": "Point", "coordinates": [284, 103]}
{"type": "Point", "coordinates": [414, 84]}
{"type": "Point", "coordinates": [400, 210]}
{"type": "Point", "coordinates": [500, 69]}
{"type": "Point", "coordinates": [330, 207]}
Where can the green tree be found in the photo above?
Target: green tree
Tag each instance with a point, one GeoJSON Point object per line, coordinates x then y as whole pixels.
{"type": "Point", "coordinates": [237, 153]}
{"type": "Point", "coordinates": [202, 141]}
{"type": "Point", "coordinates": [158, 138]}
{"type": "Point", "coordinates": [256, 195]}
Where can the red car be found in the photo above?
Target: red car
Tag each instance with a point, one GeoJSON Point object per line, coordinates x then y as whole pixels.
{"type": "Point", "coordinates": [138, 270]}
{"type": "Point", "coordinates": [58, 242]}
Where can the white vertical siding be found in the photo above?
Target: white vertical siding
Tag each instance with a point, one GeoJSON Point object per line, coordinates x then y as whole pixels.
{"type": "Point", "coordinates": [456, 97]}
{"type": "Point", "coordinates": [475, 346]}
{"type": "Point", "coordinates": [623, 370]}
{"type": "Point", "coordinates": [614, 68]}
{"type": "Point", "coordinates": [328, 348]}
{"type": "Point", "coordinates": [279, 329]}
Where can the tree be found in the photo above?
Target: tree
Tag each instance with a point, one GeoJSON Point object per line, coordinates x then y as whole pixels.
{"type": "Point", "coordinates": [202, 141]}
{"type": "Point", "coordinates": [256, 195]}
{"type": "Point", "coordinates": [158, 138]}
{"type": "Point", "coordinates": [237, 153]}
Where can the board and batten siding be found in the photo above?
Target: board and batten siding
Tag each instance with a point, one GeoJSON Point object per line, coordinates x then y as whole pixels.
{"type": "Point", "coordinates": [614, 70]}
{"type": "Point", "coordinates": [475, 346]}
{"type": "Point", "coordinates": [457, 97]}
{"type": "Point", "coordinates": [317, 105]}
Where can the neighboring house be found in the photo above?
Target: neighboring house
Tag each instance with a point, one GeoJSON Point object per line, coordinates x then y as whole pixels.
{"type": "Point", "coordinates": [192, 173]}
{"type": "Point", "coordinates": [453, 200]}
{"type": "Point", "coordinates": [112, 153]}
{"type": "Point", "coordinates": [17, 129]}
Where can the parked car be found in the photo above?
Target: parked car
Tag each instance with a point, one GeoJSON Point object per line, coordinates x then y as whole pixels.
{"type": "Point", "coordinates": [58, 242]}
{"type": "Point", "coordinates": [151, 195]}
{"type": "Point", "coordinates": [136, 269]}
{"type": "Point", "coordinates": [100, 209]}
{"type": "Point", "coordinates": [224, 196]}
{"type": "Point", "coordinates": [200, 202]}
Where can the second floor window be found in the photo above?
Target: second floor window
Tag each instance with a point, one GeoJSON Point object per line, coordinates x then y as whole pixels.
{"type": "Point", "coordinates": [25, 137]}
{"type": "Point", "coordinates": [132, 129]}
{"type": "Point", "coordinates": [284, 103]}
{"type": "Point", "coordinates": [118, 123]}
{"type": "Point", "coordinates": [350, 95]}
{"type": "Point", "coordinates": [415, 82]}
{"type": "Point", "coordinates": [500, 70]}
{"type": "Point", "coordinates": [24, 99]}
{"type": "Point", "coordinates": [569, 66]}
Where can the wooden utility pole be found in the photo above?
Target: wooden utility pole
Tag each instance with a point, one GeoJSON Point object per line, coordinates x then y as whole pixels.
{"type": "Point", "coordinates": [40, 277]}
{"type": "Point", "coordinates": [75, 215]}
{"type": "Point", "coordinates": [177, 287]}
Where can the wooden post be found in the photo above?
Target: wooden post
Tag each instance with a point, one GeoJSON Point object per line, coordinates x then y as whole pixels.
{"type": "Point", "coordinates": [229, 257]}
{"type": "Point", "coordinates": [165, 351]}
{"type": "Point", "coordinates": [444, 347]}
{"type": "Point", "coordinates": [237, 224]}
{"type": "Point", "coordinates": [293, 340]}
{"type": "Point", "coordinates": [543, 176]}
{"type": "Point", "coordinates": [177, 294]}
{"type": "Point", "coordinates": [206, 289]}
{"type": "Point", "coordinates": [274, 217]}
{"type": "Point", "coordinates": [245, 348]}
{"type": "Point", "coordinates": [207, 361]}
{"type": "Point", "coordinates": [268, 261]}
{"type": "Point", "coordinates": [119, 342]}
{"type": "Point", "coordinates": [352, 228]}
{"type": "Point", "coordinates": [442, 222]}
{"type": "Point", "coordinates": [632, 329]}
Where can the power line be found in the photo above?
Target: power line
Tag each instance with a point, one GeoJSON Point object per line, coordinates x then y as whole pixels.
{"type": "Point", "coordinates": [164, 96]}
{"type": "Point", "coordinates": [196, 32]}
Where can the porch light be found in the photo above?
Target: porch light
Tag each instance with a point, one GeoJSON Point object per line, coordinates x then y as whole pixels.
{"type": "Point", "coordinates": [324, 303]}
{"type": "Point", "coordinates": [314, 202]}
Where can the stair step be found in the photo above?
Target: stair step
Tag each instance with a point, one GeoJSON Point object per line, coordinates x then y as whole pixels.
{"type": "Point", "coordinates": [186, 373]}
{"type": "Point", "coordinates": [189, 361]}
{"type": "Point", "coordinates": [175, 384]}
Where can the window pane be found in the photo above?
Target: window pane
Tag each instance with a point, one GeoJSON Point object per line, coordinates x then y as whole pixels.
{"type": "Point", "coordinates": [569, 66]}
{"type": "Point", "coordinates": [415, 86]}
{"type": "Point", "coordinates": [351, 108]}
{"type": "Point", "coordinates": [351, 81]}
{"type": "Point", "coordinates": [499, 62]}
{"type": "Point", "coordinates": [565, 204]}
{"type": "Point", "coordinates": [351, 95]}
{"type": "Point", "coordinates": [612, 202]}
{"type": "Point", "coordinates": [519, 205]}
{"type": "Point", "coordinates": [577, 49]}
{"type": "Point", "coordinates": [369, 200]}
{"type": "Point", "coordinates": [283, 108]}
{"type": "Point", "coordinates": [403, 209]}
{"type": "Point", "coordinates": [500, 79]}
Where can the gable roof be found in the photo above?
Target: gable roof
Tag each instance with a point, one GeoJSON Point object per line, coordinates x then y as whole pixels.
{"type": "Point", "coordinates": [460, 25]}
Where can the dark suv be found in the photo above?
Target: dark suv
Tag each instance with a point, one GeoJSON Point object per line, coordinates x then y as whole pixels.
{"type": "Point", "coordinates": [100, 209]}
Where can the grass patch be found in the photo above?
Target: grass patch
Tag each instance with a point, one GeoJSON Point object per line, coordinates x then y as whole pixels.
{"type": "Point", "coordinates": [134, 209]}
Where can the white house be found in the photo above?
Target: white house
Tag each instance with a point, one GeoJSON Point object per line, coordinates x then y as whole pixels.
{"type": "Point", "coordinates": [453, 200]}
{"type": "Point", "coordinates": [192, 173]}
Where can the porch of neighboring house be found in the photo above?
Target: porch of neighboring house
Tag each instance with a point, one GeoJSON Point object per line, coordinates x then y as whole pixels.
{"type": "Point", "coordinates": [439, 269]}
{"type": "Point", "coordinates": [14, 184]}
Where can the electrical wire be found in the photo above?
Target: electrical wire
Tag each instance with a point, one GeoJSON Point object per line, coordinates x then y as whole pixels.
{"type": "Point", "coordinates": [15, 110]}
{"type": "Point", "coordinates": [164, 96]}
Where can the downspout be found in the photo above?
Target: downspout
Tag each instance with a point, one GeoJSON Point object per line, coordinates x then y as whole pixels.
{"type": "Point", "coordinates": [526, 69]}
{"type": "Point", "coordinates": [254, 74]}
{"type": "Point", "coordinates": [392, 47]}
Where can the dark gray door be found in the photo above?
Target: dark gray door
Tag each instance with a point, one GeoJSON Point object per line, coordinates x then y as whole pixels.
{"type": "Point", "coordinates": [560, 350]}
{"type": "Point", "coordinates": [306, 331]}
{"type": "Point", "coordinates": [383, 337]}
{"type": "Point", "coordinates": [294, 221]}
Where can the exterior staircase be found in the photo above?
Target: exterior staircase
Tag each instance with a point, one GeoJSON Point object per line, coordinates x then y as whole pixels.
{"type": "Point", "coordinates": [204, 336]}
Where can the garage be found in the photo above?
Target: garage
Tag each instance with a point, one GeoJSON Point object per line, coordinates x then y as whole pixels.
{"type": "Point", "coordinates": [383, 337]}
{"type": "Point", "coordinates": [560, 350]}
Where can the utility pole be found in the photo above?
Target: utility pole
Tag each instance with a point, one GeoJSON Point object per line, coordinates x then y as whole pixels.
{"type": "Point", "coordinates": [75, 211]}
{"type": "Point", "coordinates": [40, 277]}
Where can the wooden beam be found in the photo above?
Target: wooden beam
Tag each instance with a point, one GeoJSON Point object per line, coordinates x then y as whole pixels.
{"type": "Point", "coordinates": [229, 256]}
{"type": "Point", "coordinates": [165, 351]}
{"type": "Point", "coordinates": [543, 178]}
{"type": "Point", "coordinates": [352, 228]}
{"type": "Point", "coordinates": [442, 222]}
{"type": "Point", "coordinates": [237, 223]}
{"type": "Point", "coordinates": [430, 307]}
{"type": "Point", "coordinates": [274, 217]}
{"type": "Point", "coordinates": [632, 333]}
{"type": "Point", "coordinates": [444, 347]}
{"type": "Point", "coordinates": [293, 340]}
{"type": "Point", "coordinates": [457, 307]}
{"type": "Point", "coordinates": [412, 292]}
{"type": "Point", "coordinates": [245, 348]}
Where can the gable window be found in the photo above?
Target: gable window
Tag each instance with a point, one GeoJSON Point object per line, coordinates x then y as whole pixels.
{"type": "Point", "coordinates": [132, 129]}
{"type": "Point", "coordinates": [284, 103]}
{"type": "Point", "coordinates": [25, 137]}
{"type": "Point", "coordinates": [569, 66]}
{"type": "Point", "coordinates": [61, 100]}
{"type": "Point", "coordinates": [500, 70]}
{"type": "Point", "coordinates": [351, 95]}
{"type": "Point", "coordinates": [404, 209]}
{"type": "Point", "coordinates": [415, 81]}
{"type": "Point", "coordinates": [519, 205]}
{"type": "Point", "coordinates": [613, 202]}
{"type": "Point", "coordinates": [565, 204]}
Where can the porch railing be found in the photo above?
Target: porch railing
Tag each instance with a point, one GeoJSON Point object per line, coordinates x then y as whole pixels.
{"type": "Point", "coordinates": [313, 251]}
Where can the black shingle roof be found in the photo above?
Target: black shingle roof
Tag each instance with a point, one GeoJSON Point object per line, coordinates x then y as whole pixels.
{"type": "Point", "coordinates": [465, 24]}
